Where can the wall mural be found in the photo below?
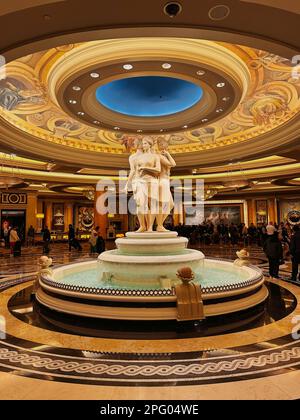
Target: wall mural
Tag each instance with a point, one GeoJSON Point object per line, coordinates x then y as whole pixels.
{"type": "Point", "coordinates": [261, 211]}
{"type": "Point", "coordinates": [223, 214]}
{"type": "Point", "coordinates": [85, 218]}
{"type": "Point", "coordinates": [273, 99]}
{"type": "Point", "coordinates": [288, 206]}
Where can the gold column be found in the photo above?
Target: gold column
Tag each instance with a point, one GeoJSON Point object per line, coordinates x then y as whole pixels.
{"type": "Point", "coordinates": [68, 215]}
{"type": "Point", "coordinates": [272, 210]}
{"type": "Point", "coordinates": [31, 210]}
{"type": "Point", "coordinates": [48, 214]}
{"type": "Point", "coordinates": [251, 205]}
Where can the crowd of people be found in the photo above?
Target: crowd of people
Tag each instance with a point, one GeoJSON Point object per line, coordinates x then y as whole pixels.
{"type": "Point", "coordinates": [280, 242]}
{"type": "Point", "coordinates": [13, 239]}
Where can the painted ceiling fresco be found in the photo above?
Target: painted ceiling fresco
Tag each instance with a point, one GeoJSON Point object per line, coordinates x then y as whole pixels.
{"type": "Point", "coordinates": [272, 100]}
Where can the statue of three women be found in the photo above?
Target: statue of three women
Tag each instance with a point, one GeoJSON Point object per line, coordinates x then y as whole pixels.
{"type": "Point", "coordinates": [149, 180]}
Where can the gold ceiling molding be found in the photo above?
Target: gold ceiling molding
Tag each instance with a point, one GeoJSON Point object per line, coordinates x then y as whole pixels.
{"type": "Point", "coordinates": [271, 100]}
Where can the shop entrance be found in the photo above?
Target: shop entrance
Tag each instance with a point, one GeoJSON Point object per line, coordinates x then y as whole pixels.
{"type": "Point", "coordinates": [13, 218]}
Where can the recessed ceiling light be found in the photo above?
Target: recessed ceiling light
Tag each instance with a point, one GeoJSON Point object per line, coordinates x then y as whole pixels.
{"type": "Point", "coordinates": [204, 120]}
{"type": "Point", "coordinates": [161, 130]}
{"type": "Point", "coordinates": [76, 88]}
{"type": "Point", "coordinates": [139, 131]}
{"type": "Point", "coordinates": [166, 66]}
{"type": "Point", "coordinates": [219, 12]}
{"type": "Point", "coordinates": [72, 101]}
{"type": "Point", "coordinates": [128, 67]}
{"type": "Point", "coordinates": [96, 122]}
{"type": "Point", "coordinates": [194, 171]}
{"type": "Point", "coordinates": [220, 84]}
{"type": "Point", "coordinates": [80, 113]}
{"type": "Point", "coordinates": [185, 126]}
{"type": "Point", "coordinates": [226, 98]}
{"type": "Point", "coordinates": [200, 72]}
{"type": "Point", "coordinates": [116, 128]}
{"type": "Point", "coordinates": [95, 75]}
{"type": "Point", "coordinates": [219, 110]}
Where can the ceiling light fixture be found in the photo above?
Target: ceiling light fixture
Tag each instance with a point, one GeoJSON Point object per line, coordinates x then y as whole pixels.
{"type": "Point", "coordinates": [166, 66]}
{"type": "Point", "coordinates": [200, 72]}
{"type": "Point", "coordinates": [72, 101]}
{"type": "Point", "coordinates": [226, 98]}
{"type": "Point", "coordinates": [95, 75]}
{"type": "Point", "coordinates": [80, 113]}
{"type": "Point", "coordinates": [96, 122]}
{"type": "Point", "coordinates": [128, 67]}
{"type": "Point", "coordinates": [76, 88]}
{"type": "Point", "coordinates": [220, 84]}
{"type": "Point", "coordinates": [219, 110]}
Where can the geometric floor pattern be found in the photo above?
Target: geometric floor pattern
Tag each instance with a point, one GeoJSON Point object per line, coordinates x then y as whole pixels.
{"type": "Point", "coordinates": [31, 353]}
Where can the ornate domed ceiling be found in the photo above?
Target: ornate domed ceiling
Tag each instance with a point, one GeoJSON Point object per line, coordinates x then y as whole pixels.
{"type": "Point", "coordinates": [73, 95]}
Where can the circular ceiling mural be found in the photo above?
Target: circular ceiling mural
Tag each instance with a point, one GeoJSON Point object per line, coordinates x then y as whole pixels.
{"type": "Point", "coordinates": [243, 94]}
{"type": "Point", "coordinates": [149, 96]}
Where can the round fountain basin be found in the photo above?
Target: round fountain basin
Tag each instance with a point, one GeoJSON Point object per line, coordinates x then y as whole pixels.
{"type": "Point", "coordinates": [77, 289]}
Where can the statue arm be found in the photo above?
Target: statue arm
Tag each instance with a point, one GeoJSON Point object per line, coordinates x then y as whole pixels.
{"type": "Point", "coordinates": [131, 174]}
{"type": "Point", "coordinates": [167, 160]}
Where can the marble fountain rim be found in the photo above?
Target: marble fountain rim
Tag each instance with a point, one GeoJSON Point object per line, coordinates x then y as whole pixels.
{"type": "Point", "coordinates": [49, 283]}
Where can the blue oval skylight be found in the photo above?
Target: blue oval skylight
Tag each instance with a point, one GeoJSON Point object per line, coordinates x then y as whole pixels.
{"type": "Point", "coordinates": [149, 96]}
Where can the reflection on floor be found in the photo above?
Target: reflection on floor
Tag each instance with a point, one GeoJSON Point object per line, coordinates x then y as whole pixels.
{"type": "Point", "coordinates": [44, 354]}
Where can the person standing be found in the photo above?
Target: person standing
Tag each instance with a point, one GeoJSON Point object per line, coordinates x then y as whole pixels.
{"type": "Point", "coordinates": [13, 240]}
{"type": "Point", "coordinates": [71, 236]}
{"type": "Point", "coordinates": [30, 236]}
{"type": "Point", "coordinates": [100, 245]}
{"type": "Point", "coordinates": [46, 240]}
{"type": "Point", "coordinates": [274, 252]}
{"type": "Point", "coordinates": [73, 241]}
{"type": "Point", "coordinates": [93, 239]}
{"type": "Point", "coordinates": [295, 252]}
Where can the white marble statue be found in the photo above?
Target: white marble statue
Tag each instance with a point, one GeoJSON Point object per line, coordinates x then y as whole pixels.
{"type": "Point", "coordinates": [166, 202]}
{"type": "Point", "coordinates": [149, 179]}
{"type": "Point", "coordinates": [143, 180]}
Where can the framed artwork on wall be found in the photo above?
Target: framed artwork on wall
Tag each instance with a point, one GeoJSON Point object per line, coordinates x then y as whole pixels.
{"type": "Point", "coordinates": [261, 211]}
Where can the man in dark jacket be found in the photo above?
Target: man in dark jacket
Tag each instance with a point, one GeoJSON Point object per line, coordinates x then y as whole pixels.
{"type": "Point", "coordinates": [46, 240]}
{"type": "Point", "coordinates": [274, 252]}
{"type": "Point", "coordinates": [295, 252]}
{"type": "Point", "coordinates": [73, 241]}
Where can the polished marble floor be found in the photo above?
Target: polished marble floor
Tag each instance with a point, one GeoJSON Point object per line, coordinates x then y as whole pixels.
{"type": "Point", "coordinates": [38, 361]}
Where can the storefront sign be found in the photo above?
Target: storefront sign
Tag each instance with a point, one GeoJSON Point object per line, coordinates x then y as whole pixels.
{"type": "Point", "coordinates": [13, 198]}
